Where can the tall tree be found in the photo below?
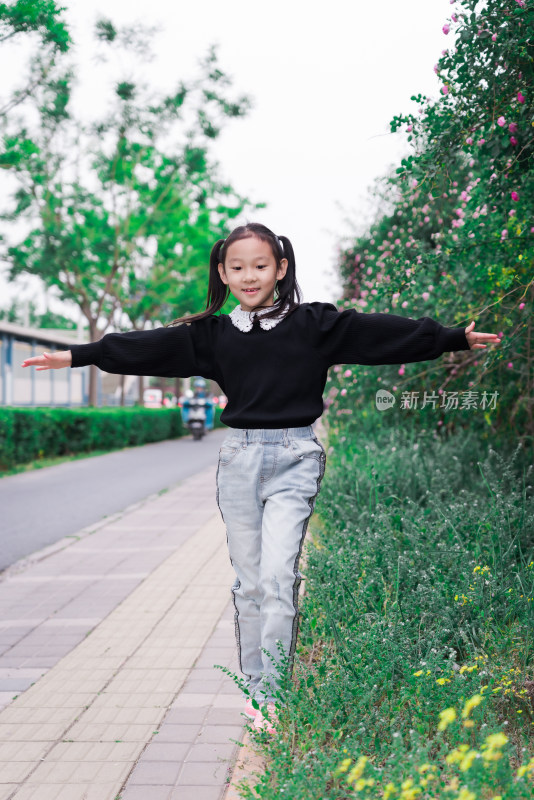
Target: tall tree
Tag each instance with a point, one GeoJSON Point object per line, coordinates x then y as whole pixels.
{"type": "Point", "coordinates": [123, 210]}
{"type": "Point", "coordinates": [42, 17]}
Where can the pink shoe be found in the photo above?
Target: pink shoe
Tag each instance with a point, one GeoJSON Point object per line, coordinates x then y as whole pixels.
{"type": "Point", "coordinates": [265, 722]}
{"type": "Point", "coordinates": [250, 711]}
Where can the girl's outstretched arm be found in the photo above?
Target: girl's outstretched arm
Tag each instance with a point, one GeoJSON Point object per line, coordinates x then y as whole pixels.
{"type": "Point", "coordinates": [57, 360]}
{"type": "Point", "coordinates": [478, 339]}
{"type": "Point", "coordinates": [175, 352]}
{"type": "Point", "coordinates": [356, 337]}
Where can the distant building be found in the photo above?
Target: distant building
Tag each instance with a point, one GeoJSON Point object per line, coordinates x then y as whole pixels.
{"type": "Point", "coordinates": [24, 386]}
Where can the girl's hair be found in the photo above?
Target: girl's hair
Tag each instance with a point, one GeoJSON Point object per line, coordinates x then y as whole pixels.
{"type": "Point", "coordinates": [287, 289]}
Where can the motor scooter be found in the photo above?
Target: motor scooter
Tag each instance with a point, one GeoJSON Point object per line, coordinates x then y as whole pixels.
{"type": "Point", "coordinates": [195, 416]}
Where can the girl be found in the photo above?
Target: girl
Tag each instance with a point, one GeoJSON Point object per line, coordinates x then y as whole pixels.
{"type": "Point", "coordinates": [270, 357]}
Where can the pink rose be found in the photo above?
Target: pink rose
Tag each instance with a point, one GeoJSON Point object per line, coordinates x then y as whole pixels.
{"type": "Point", "coordinates": [514, 196]}
{"type": "Point", "coordinates": [445, 89]}
{"type": "Point", "coordinates": [481, 141]}
{"type": "Point", "coordinates": [510, 365]}
{"type": "Point", "coordinates": [501, 121]}
{"type": "Point", "coordinates": [513, 141]}
{"type": "Point", "coordinates": [446, 28]}
{"type": "Point", "coordinates": [520, 98]}
{"type": "Point", "coordinates": [512, 127]}
{"type": "Point", "coordinates": [347, 373]}
{"type": "Point", "coordinates": [401, 370]}
{"type": "Point", "coordinates": [494, 37]}
{"type": "Point", "coordinates": [521, 306]}
{"type": "Point", "coordinates": [409, 128]}
{"type": "Point", "coordinates": [469, 140]}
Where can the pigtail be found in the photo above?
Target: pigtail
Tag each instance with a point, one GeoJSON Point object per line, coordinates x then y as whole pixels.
{"type": "Point", "coordinates": [288, 289]}
{"type": "Point", "coordinates": [217, 290]}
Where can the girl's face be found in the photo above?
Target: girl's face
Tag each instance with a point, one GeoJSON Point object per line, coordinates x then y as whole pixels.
{"type": "Point", "coordinates": [251, 265]}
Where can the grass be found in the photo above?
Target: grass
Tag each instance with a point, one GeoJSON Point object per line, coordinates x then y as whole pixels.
{"type": "Point", "coordinates": [414, 673]}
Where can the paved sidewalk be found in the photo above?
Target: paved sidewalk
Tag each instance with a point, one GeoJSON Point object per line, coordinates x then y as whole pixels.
{"type": "Point", "coordinates": [107, 650]}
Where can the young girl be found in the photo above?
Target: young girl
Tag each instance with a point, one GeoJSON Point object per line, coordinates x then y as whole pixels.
{"type": "Point", "coordinates": [270, 357]}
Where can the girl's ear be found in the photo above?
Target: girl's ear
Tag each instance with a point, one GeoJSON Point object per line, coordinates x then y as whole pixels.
{"type": "Point", "coordinates": [222, 273]}
{"type": "Point", "coordinates": [282, 269]}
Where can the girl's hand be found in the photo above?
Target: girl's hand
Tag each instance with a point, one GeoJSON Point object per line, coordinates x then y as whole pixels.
{"type": "Point", "coordinates": [57, 360]}
{"type": "Point", "coordinates": [475, 340]}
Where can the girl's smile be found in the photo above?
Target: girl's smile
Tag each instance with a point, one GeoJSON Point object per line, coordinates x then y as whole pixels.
{"type": "Point", "coordinates": [251, 271]}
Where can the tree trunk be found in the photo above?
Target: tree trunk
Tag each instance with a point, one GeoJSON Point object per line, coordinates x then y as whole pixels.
{"type": "Point", "coordinates": [93, 377]}
{"type": "Point", "coordinates": [123, 381]}
{"type": "Point", "coordinates": [141, 384]}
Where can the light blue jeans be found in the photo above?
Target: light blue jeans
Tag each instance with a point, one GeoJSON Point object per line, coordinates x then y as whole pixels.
{"type": "Point", "coordinates": [267, 484]}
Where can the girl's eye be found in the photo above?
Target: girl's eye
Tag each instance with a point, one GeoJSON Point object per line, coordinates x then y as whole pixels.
{"type": "Point", "coordinates": [260, 266]}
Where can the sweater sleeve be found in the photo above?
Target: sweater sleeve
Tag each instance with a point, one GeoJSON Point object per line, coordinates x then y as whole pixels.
{"type": "Point", "coordinates": [179, 351]}
{"type": "Point", "coordinates": [353, 337]}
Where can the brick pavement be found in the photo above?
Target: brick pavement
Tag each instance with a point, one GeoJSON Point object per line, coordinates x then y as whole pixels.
{"type": "Point", "coordinates": [107, 650]}
{"type": "Point", "coordinates": [108, 646]}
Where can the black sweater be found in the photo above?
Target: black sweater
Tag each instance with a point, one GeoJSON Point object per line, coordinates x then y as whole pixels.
{"type": "Point", "coordinates": [272, 378]}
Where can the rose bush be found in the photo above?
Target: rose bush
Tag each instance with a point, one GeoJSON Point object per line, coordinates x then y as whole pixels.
{"type": "Point", "coordinates": [456, 240]}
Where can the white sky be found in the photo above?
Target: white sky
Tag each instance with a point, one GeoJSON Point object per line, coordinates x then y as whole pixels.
{"type": "Point", "coordinates": [325, 78]}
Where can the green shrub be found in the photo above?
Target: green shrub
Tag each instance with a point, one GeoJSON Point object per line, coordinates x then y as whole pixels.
{"type": "Point", "coordinates": [32, 433]}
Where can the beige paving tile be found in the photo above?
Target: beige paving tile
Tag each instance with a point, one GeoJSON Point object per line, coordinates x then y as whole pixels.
{"type": "Point", "coordinates": [136, 700]}
{"type": "Point", "coordinates": [152, 680]}
{"type": "Point", "coordinates": [95, 751]}
{"type": "Point", "coordinates": [22, 751]}
{"type": "Point", "coordinates": [68, 772]}
{"type": "Point", "coordinates": [15, 714]}
{"type": "Point", "coordinates": [16, 771]}
{"type": "Point", "coordinates": [30, 732]}
{"type": "Point", "coordinates": [125, 716]}
{"type": "Point", "coordinates": [71, 791]}
{"type": "Point", "coordinates": [120, 679]}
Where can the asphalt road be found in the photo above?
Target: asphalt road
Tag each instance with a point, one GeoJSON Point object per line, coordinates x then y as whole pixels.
{"type": "Point", "coordinates": [40, 507]}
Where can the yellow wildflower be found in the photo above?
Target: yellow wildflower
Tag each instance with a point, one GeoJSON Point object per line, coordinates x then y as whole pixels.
{"type": "Point", "coordinates": [496, 739]}
{"type": "Point", "coordinates": [469, 723]}
{"type": "Point", "coordinates": [361, 783]}
{"type": "Point", "coordinates": [409, 791]}
{"type": "Point", "coordinates": [465, 794]}
{"type": "Point", "coordinates": [471, 704]}
{"type": "Point", "coordinates": [389, 790]}
{"type": "Point", "coordinates": [446, 716]}
{"type": "Point", "coordinates": [443, 681]}
{"type": "Point", "coordinates": [419, 672]}
{"type": "Point", "coordinates": [467, 760]}
{"type": "Point", "coordinates": [358, 768]}
{"type": "Point", "coordinates": [457, 754]}
{"type": "Point", "coordinates": [343, 767]}
{"type": "Point", "coordinates": [424, 767]}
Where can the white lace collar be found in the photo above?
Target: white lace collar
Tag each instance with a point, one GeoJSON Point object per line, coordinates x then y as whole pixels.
{"type": "Point", "coordinates": [244, 319]}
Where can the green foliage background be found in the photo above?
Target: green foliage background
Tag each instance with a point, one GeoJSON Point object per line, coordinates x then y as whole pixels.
{"type": "Point", "coordinates": [456, 241]}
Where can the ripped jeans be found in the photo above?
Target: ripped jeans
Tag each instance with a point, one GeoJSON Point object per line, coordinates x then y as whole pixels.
{"type": "Point", "coordinates": [267, 484]}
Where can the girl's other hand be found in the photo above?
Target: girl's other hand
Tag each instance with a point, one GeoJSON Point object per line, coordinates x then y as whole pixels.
{"type": "Point", "coordinates": [57, 360]}
{"type": "Point", "coordinates": [475, 340]}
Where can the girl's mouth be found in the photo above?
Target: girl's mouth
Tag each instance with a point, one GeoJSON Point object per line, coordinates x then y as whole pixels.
{"type": "Point", "coordinates": [251, 291]}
